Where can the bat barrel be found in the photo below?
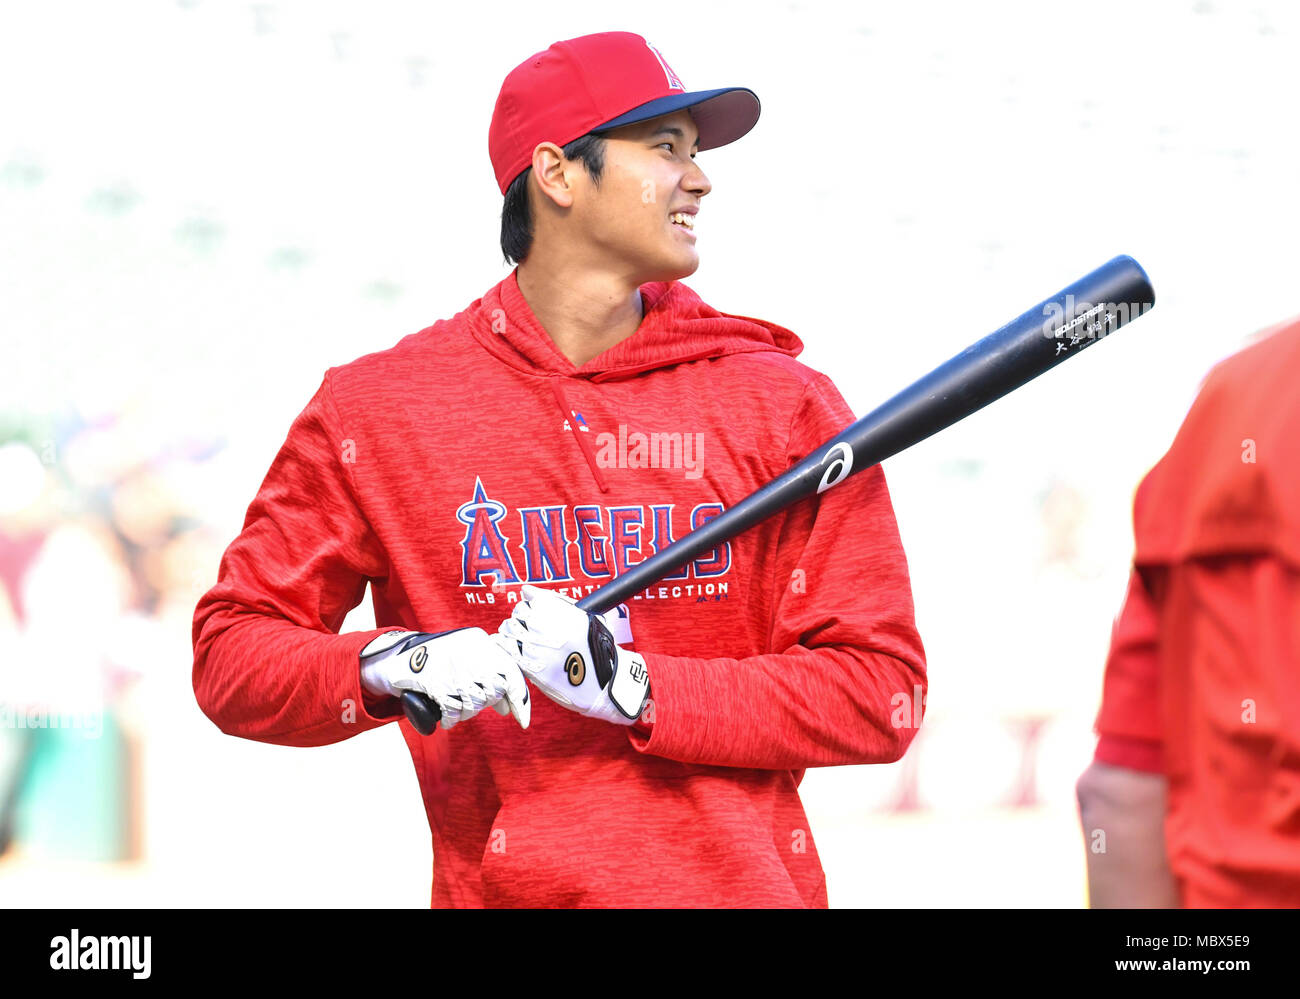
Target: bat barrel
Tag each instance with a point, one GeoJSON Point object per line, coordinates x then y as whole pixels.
{"type": "Point", "coordinates": [1048, 334]}
{"type": "Point", "coordinates": [1054, 330]}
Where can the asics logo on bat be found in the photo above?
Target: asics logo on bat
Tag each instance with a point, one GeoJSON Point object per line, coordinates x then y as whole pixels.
{"type": "Point", "coordinates": [840, 457]}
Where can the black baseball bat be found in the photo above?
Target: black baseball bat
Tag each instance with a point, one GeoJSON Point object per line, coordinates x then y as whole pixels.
{"type": "Point", "coordinates": [1052, 331]}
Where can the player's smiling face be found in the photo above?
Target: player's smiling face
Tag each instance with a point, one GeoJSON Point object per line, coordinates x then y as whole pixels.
{"type": "Point", "coordinates": [641, 216]}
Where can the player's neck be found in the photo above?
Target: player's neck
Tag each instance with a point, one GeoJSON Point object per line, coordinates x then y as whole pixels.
{"type": "Point", "coordinates": [585, 313]}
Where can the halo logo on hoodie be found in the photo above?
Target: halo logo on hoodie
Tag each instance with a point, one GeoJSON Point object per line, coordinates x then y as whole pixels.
{"type": "Point", "coordinates": [485, 548]}
{"type": "Point", "coordinates": [561, 544]}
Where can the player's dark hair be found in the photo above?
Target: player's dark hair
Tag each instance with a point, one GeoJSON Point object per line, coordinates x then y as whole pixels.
{"type": "Point", "coordinates": [516, 213]}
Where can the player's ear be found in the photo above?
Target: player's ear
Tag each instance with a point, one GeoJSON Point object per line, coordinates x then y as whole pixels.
{"type": "Point", "coordinates": [552, 174]}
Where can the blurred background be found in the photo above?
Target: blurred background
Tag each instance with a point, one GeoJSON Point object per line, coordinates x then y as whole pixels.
{"type": "Point", "coordinates": [204, 204]}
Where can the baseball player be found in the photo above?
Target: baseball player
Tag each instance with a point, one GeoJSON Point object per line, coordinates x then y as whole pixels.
{"type": "Point", "coordinates": [1193, 798]}
{"type": "Point", "coordinates": [580, 416]}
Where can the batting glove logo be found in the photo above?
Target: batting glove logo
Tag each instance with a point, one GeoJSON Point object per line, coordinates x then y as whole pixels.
{"type": "Point", "coordinates": [576, 667]}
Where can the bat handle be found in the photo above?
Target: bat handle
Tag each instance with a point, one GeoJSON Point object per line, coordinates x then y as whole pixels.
{"type": "Point", "coordinates": [420, 709]}
{"type": "Point", "coordinates": [421, 712]}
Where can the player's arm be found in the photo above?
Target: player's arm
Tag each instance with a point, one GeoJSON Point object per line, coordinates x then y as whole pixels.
{"type": "Point", "coordinates": [269, 663]}
{"type": "Point", "coordinates": [1122, 794]}
{"type": "Point", "coordinates": [848, 680]}
{"type": "Point", "coordinates": [1123, 815]}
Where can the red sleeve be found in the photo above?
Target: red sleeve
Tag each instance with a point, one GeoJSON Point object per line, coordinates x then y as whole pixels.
{"type": "Point", "coordinates": [847, 666]}
{"type": "Point", "coordinates": [1128, 724]}
{"type": "Point", "coordinates": [269, 663]}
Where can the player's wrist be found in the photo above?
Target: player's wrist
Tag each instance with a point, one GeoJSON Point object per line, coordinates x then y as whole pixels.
{"type": "Point", "coordinates": [377, 660]}
{"type": "Point", "coordinates": [629, 690]}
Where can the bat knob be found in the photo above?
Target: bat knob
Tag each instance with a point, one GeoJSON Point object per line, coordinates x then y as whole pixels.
{"type": "Point", "coordinates": [421, 712]}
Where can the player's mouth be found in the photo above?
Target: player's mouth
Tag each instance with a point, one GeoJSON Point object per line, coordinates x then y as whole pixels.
{"type": "Point", "coordinates": [684, 221]}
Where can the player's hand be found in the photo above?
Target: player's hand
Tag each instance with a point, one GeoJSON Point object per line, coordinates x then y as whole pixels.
{"type": "Point", "coordinates": [463, 671]}
{"type": "Point", "coordinates": [573, 659]}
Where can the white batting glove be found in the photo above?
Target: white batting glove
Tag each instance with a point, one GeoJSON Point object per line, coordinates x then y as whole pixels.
{"type": "Point", "coordinates": [463, 671]}
{"type": "Point", "coordinates": [573, 658]}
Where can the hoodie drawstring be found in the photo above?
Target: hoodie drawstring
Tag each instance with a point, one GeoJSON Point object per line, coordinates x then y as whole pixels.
{"type": "Point", "coordinates": [572, 419]}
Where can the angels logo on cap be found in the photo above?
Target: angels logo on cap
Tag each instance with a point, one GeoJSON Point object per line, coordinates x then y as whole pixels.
{"type": "Point", "coordinates": [674, 81]}
{"type": "Point", "coordinates": [598, 83]}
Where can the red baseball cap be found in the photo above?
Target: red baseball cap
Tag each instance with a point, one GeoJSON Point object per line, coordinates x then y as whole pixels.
{"type": "Point", "coordinates": [596, 82]}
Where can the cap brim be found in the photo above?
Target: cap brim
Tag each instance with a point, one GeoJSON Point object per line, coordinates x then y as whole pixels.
{"type": "Point", "coordinates": [722, 116]}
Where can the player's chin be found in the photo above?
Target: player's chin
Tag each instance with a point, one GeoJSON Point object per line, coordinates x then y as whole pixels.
{"type": "Point", "coordinates": [675, 266]}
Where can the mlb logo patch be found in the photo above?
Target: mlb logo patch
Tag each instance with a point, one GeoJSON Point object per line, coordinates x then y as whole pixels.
{"type": "Point", "coordinates": [581, 422]}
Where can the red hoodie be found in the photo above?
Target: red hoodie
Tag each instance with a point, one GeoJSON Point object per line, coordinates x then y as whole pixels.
{"type": "Point", "coordinates": [473, 457]}
{"type": "Point", "coordinates": [1201, 683]}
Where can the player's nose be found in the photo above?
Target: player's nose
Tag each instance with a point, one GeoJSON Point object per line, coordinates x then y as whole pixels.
{"type": "Point", "coordinates": [696, 181]}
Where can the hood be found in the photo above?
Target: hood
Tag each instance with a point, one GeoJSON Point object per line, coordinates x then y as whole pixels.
{"type": "Point", "coordinates": [677, 326]}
